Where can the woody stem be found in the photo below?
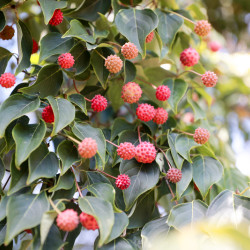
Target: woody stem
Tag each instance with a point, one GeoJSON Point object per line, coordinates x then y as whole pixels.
{"type": "Point", "coordinates": [106, 174]}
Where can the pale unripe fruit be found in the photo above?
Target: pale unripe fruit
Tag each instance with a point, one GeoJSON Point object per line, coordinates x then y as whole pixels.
{"type": "Point", "coordinates": [202, 28]}
{"type": "Point", "coordinates": [87, 148]}
{"type": "Point", "coordinates": [209, 79]}
{"type": "Point", "coordinates": [201, 135]}
{"type": "Point", "coordinates": [129, 51]}
{"type": "Point", "coordinates": [113, 64]}
{"type": "Point", "coordinates": [67, 220]}
{"type": "Point", "coordinates": [131, 92]}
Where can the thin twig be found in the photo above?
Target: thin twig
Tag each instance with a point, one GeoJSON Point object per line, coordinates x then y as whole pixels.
{"type": "Point", "coordinates": [139, 135]}
{"type": "Point", "coordinates": [78, 188]}
{"type": "Point", "coordinates": [182, 132]}
{"type": "Point", "coordinates": [69, 137]}
{"type": "Point", "coordinates": [112, 143]}
{"type": "Point", "coordinates": [54, 206]}
{"type": "Point", "coordinates": [87, 99]}
{"type": "Point", "coordinates": [177, 14]}
{"type": "Point", "coordinates": [192, 71]}
{"type": "Point", "coordinates": [149, 83]}
{"type": "Point", "coordinates": [105, 173]}
{"type": "Point", "coordinates": [100, 54]}
{"type": "Point", "coordinates": [6, 182]}
{"type": "Point", "coordinates": [74, 82]}
{"type": "Point", "coordinates": [115, 44]}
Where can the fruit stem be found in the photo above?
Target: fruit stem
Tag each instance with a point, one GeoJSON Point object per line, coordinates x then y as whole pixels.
{"type": "Point", "coordinates": [185, 18]}
{"type": "Point", "coordinates": [151, 84]}
{"type": "Point", "coordinates": [139, 135]}
{"type": "Point", "coordinates": [105, 173]}
{"type": "Point", "coordinates": [87, 99]}
{"type": "Point", "coordinates": [112, 143]}
{"type": "Point", "coordinates": [78, 188]}
{"type": "Point", "coordinates": [115, 44]}
{"type": "Point", "coordinates": [70, 137]}
{"type": "Point", "coordinates": [192, 71]}
{"type": "Point", "coordinates": [100, 55]}
{"type": "Point", "coordinates": [54, 206]}
{"type": "Point", "coordinates": [165, 157]}
{"type": "Point", "coordinates": [244, 190]}
{"type": "Point", "coordinates": [74, 82]}
{"type": "Point", "coordinates": [182, 132]}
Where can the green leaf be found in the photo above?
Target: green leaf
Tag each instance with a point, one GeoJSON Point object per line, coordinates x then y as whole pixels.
{"type": "Point", "coordinates": [54, 44]}
{"type": "Point", "coordinates": [119, 243]}
{"type": "Point", "coordinates": [24, 212]}
{"type": "Point", "coordinates": [157, 75]}
{"type": "Point", "coordinates": [42, 163]}
{"type": "Point", "coordinates": [119, 126]}
{"type": "Point", "coordinates": [48, 82]}
{"type": "Point", "coordinates": [65, 181]}
{"type": "Point", "coordinates": [14, 107]}
{"type": "Point", "coordinates": [4, 2]}
{"type": "Point", "coordinates": [3, 205]}
{"type": "Point", "coordinates": [2, 171]}
{"type": "Point", "coordinates": [178, 160]}
{"type": "Point", "coordinates": [135, 25]}
{"type": "Point", "coordinates": [143, 177]}
{"type": "Point", "coordinates": [79, 100]}
{"type": "Point", "coordinates": [27, 138]}
{"type": "Point", "coordinates": [206, 172]}
{"type": "Point", "coordinates": [5, 56]}
{"type": "Point", "coordinates": [129, 71]}
{"type": "Point", "coordinates": [103, 213]}
{"type": "Point", "coordinates": [95, 177]}
{"type": "Point", "coordinates": [198, 112]}
{"type": "Point", "coordinates": [115, 87]}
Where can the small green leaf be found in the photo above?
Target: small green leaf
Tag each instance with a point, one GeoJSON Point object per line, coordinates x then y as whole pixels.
{"type": "Point", "coordinates": [65, 181]}
{"type": "Point", "coordinates": [95, 177]}
{"type": "Point", "coordinates": [178, 160]}
{"type": "Point", "coordinates": [119, 126]}
{"type": "Point", "coordinates": [198, 112]}
{"type": "Point", "coordinates": [129, 71]}
{"type": "Point", "coordinates": [3, 205]}
{"type": "Point", "coordinates": [5, 56]}
{"type": "Point", "coordinates": [79, 100]}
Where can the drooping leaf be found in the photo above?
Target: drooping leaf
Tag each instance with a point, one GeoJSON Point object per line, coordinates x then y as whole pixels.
{"type": "Point", "coordinates": [3, 205]}
{"type": "Point", "coordinates": [120, 125]}
{"type": "Point", "coordinates": [129, 71]}
{"type": "Point", "coordinates": [198, 112]}
{"type": "Point", "coordinates": [5, 56]}
{"type": "Point", "coordinates": [118, 243]}
{"type": "Point", "coordinates": [79, 100]}
{"type": "Point", "coordinates": [65, 181]}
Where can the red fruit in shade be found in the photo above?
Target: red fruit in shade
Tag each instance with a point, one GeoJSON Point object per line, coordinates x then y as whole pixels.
{"type": "Point", "coordinates": [87, 148]}
{"type": "Point", "coordinates": [35, 46]}
{"type": "Point", "coordinates": [113, 64]}
{"type": "Point", "coordinates": [163, 93]}
{"type": "Point", "coordinates": [145, 112]}
{"type": "Point", "coordinates": [7, 33]}
{"type": "Point", "coordinates": [122, 181]}
{"type": "Point", "coordinates": [48, 114]}
{"type": "Point", "coordinates": [174, 175]}
{"type": "Point", "coordinates": [145, 152]}
{"type": "Point", "coordinates": [150, 37]}
{"type": "Point", "coordinates": [88, 221]}
{"type": "Point", "coordinates": [126, 151]}
{"type": "Point", "coordinates": [99, 103]}
{"type": "Point", "coordinates": [131, 92]}
{"type": "Point", "coordinates": [66, 61]}
{"type": "Point", "coordinates": [129, 51]}
{"type": "Point", "coordinates": [57, 18]}
{"type": "Point", "coordinates": [7, 80]}
{"type": "Point", "coordinates": [209, 79]}
{"type": "Point", "coordinates": [201, 135]}
{"type": "Point", "coordinates": [202, 28]}
{"type": "Point", "coordinates": [189, 57]}
{"type": "Point", "coordinates": [214, 46]}
{"type": "Point", "coordinates": [28, 231]}
{"type": "Point", "coordinates": [161, 116]}
{"type": "Point", "coordinates": [67, 220]}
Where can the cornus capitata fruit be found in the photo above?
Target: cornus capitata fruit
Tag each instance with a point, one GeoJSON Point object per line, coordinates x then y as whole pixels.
{"type": "Point", "coordinates": [87, 148]}
{"type": "Point", "coordinates": [131, 92]}
{"type": "Point", "coordinates": [214, 46]}
{"type": "Point", "coordinates": [126, 150]}
{"type": "Point", "coordinates": [129, 51]}
{"type": "Point", "coordinates": [150, 37]}
{"type": "Point", "coordinates": [189, 57]}
{"type": "Point", "coordinates": [145, 152]}
{"type": "Point", "coordinates": [67, 220]}
{"type": "Point", "coordinates": [66, 61]}
{"type": "Point", "coordinates": [145, 112]}
{"type": "Point", "coordinates": [113, 64]}
{"type": "Point", "coordinates": [99, 103]}
{"type": "Point", "coordinates": [161, 116]}
{"type": "Point", "coordinates": [122, 181]}
{"type": "Point", "coordinates": [7, 80]}
{"type": "Point", "coordinates": [57, 18]}
{"type": "Point", "coordinates": [7, 33]}
{"type": "Point", "coordinates": [201, 135]}
{"type": "Point", "coordinates": [209, 79]}
{"type": "Point", "coordinates": [88, 221]}
{"type": "Point", "coordinates": [48, 114]}
{"type": "Point", "coordinates": [174, 175]}
{"type": "Point", "coordinates": [163, 93]}
{"type": "Point", "coordinates": [202, 28]}
{"type": "Point", "coordinates": [35, 46]}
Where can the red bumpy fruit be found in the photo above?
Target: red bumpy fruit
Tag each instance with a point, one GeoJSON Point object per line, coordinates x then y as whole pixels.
{"type": "Point", "coordinates": [131, 92]}
{"type": "Point", "coordinates": [214, 46]}
{"type": "Point", "coordinates": [174, 175]}
{"type": "Point", "coordinates": [129, 51]}
{"type": "Point", "coordinates": [202, 28]}
{"type": "Point", "coordinates": [66, 60]}
{"type": "Point", "coordinates": [48, 114]}
{"type": "Point", "coordinates": [57, 18]}
{"type": "Point", "coordinates": [87, 148]}
{"type": "Point", "coordinates": [7, 80]}
{"type": "Point", "coordinates": [201, 135]}
{"type": "Point", "coordinates": [122, 181]}
{"type": "Point", "coordinates": [163, 93]}
{"type": "Point", "coordinates": [35, 46]}
{"type": "Point", "coordinates": [88, 221]}
{"type": "Point", "coordinates": [113, 64]}
{"type": "Point", "coordinates": [7, 33]}
{"type": "Point", "coordinates": [145, 152]}
{"type": "Point", "coordinates": [99, 103]}
{"type": "Point", "coordinates": [150, 37]}
{"type": "Point", "coordinates": [67, 220]}
{"type": "Point", "coordinates": [145, 112]}
{"type": "Point", "coordinates": [126, 151]}
{"type": "Point", "coordinates": [209, 79]}
{"type": "Point", "coordinates": [189, 57]}
{"type": "Point", "coordinates": [161, 116]}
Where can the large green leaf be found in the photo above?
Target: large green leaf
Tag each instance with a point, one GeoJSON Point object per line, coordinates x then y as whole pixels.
{"type": "Point", "coordinates": [119, 243]}
{"type": "Point", "coordinates": [79, 100]}
{"type": "Point", "coordinates": [65, 181]}
{"type": "Point", "coordinates": [14, 107]}
{"type": "Point", "coordinates": [115, 87]}
{"type": "Point", "coordinates": [27, 138]}
{"type": "Point", "coordinates": [103, 213]}
{"type": "Point", "coordinates": [129, 71]}
{"type": "Point", "coordinates": [198, 112]}
{"type": "Point", "coordinates": [120, 125]}
{"type": "Point", "coordinates": [95, 177]}
{"type": "Point", "coordinates": [135, 25]}
{"type": "Point", "coordinates": [5, 56]}
{"type": "Point", "coordinates": [3, 205]}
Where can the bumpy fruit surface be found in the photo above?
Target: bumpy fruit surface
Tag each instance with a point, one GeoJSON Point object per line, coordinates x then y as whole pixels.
{"type": "Point", "coordinates": [145, 112]}
{"type": "Point", "coordinates": [129, 51]}
{"type": "Point", "coordinates": [131, 92]}
{"type": "Point", "coordinates": [88, 221]}
{"type": "Point", "coordinates": [163, 93]}
{"type": "Point", "coordinates": [67, 220]}
{"type": "Point", "coordinates": [150, 37]}
{"type": "Point", "coordinates": [189, 57]}
{"type": "Point", "coordinates": [35, 46]}
{"type": "Point", "coordinates": [57, 18]}
{"type": "Point", "coordinates": [214, 46]}
{"type": "Point", "coordinates": [87, 148]}
{"type": "Point", "coordinates": [202, 28]}
{"type": "Point", "coordinates": [145, 152]}
{"type": "Point", "coordinates": [113, 64]}
{"type": "Point", "coordinates": [48, 114]}
{"type": "Point", "coordinates": [209, 79]}
{"type": "Point", "coordinates": [174, 175]}
{"type": "Point", "coordinates": [66, 60]}
{"type": "Point", "coordinates": [7, 33]}
{"type": "Point", "coordinates": [161, 116]}
{"type": "Point", "coordinates": [7, 80]}
{"type": "Point", "coordinates": [122, 181]}
{"type": "Point", "coordinates": [99, 103]}
{"type": "Point", "coordinates": [126, 150]}
{"type": "Point", "coordinates": [201, 135]}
